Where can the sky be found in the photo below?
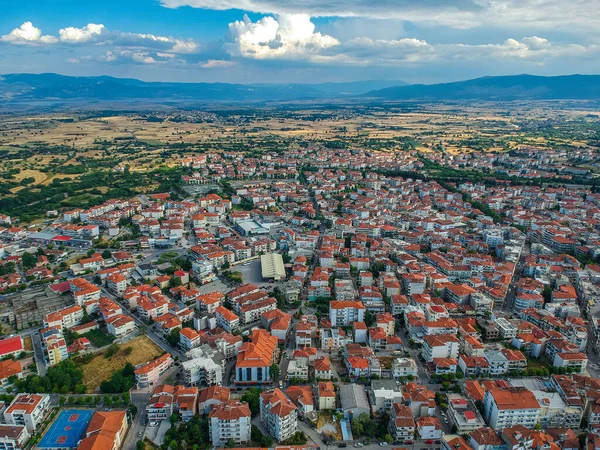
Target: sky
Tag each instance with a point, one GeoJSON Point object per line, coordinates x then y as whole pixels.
{"type": "Point", "coordinates": [300, 41]}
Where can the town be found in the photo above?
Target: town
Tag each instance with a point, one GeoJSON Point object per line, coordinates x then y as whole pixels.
{"type": "Point", "coordinates": [319, 297]}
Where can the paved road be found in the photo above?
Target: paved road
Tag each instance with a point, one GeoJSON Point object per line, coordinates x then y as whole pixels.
{"type": "Point", "coordinates": [38, 353]}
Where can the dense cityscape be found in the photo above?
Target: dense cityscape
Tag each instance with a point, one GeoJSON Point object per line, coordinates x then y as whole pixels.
{"type": "Point", "coordinates": [322, 296]}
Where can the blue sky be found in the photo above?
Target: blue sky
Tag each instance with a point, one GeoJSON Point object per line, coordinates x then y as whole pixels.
{"type": "Point", "coordinates": [252, 41]}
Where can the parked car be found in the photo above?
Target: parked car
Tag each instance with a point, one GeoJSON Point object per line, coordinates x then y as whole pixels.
{"type": "Point", "coordinates": [429, 441]}
{"type": "Point", "coordinates": [343, 445]}
{"type": "Point", "coordinates": [383, 444]}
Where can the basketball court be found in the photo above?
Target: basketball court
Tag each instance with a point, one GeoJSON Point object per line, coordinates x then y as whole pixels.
{"type": "Point", "coordinates": [67, 429]}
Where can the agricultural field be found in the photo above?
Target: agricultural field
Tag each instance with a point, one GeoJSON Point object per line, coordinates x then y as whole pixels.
{"type": "Point", "coordinates": [101, 368]}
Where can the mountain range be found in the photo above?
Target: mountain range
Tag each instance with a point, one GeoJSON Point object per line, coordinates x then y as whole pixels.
{"type": "Point", "coordinates": [15, 88]}
{"type": "Point", "coordinates": [50, 86]}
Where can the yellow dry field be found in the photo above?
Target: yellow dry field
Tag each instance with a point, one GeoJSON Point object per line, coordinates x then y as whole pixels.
{"type": "Point", "coordinates": [101, 368]}
{"type": "Point", "coordinates": [27, 344]}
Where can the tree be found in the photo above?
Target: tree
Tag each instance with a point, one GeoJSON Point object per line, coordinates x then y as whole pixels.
{"type": "Point", "coordinates": [275, 371]}
{"type": "Point", "coordinates": [252, 397]}
{"type": "Point", "coordinates": [369, 318]}
{"type": "Point", "coordinates": [230, 443]}
{"type": "Point", "coordinates": [173, 337]}
{"type": "Point", "coordinates": [106, 254]}
{"type": "Point", "coordinates": [28, 261]}
{"type": "Point", "coordinates": [174, 418]}
{"type": "Point", "coordinates": [388, 438]}
{"type": "Point", "coordinates": [140, 445]}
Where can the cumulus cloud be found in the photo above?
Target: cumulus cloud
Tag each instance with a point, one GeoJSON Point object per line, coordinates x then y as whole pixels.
{"type": "Point", "coordinates": [98, 34]}
{"type": "Point", "coordinates": [286, 35]}
{"type": "Point", "coordinates": [28, 34]}
{"type": "Point", "coordinates": [74, 35]}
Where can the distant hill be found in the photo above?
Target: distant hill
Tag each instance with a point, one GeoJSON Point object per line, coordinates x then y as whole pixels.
{"type": "Point", "coordinates": [50, 86]}
{"type": "Point", "coordinates": [516, 87]}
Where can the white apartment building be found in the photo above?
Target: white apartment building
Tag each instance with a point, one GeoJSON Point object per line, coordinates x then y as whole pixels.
{"type": "Point", "coordinates": [504, 408]}
{"type": "Point", "coordinates": [278, 414]}
{"type": "Point", "coordinates": [229, 420]}
{"type": "Point", "coordinates": [343, 312]}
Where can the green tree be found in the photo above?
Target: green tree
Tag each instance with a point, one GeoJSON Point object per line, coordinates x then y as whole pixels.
{"type": "Point", "coordinates": [140, 445]}
{"type": "Point", "coordinates": [28, 261]}
{"type": "Point", "coordinates": [275, 371]}
{"type": "Point", "coordinates": [252, 397]}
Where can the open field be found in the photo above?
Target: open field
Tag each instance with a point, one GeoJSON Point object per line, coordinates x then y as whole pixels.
{"type": "Point", "coordinates": [101, 368]}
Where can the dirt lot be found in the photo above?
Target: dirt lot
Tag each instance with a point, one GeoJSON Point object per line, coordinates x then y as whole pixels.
{"type": "Point", "coordinates": [101, 368]}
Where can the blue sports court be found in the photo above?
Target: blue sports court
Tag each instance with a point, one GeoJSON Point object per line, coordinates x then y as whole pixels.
{"type": "Point", "coordinates": [67, 429]}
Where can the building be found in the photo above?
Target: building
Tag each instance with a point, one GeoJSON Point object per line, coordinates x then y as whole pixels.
{"type": "Point", "coordinates": [167, 399]}
{"type": "Point", "coordinates": [203, 367]}
{"type": "Point", "coordinates": [254, 359]}
{"type": "Point", "coordinates": [28, 410]}
{"type": "Point", "coordinates": [383, 394]}
{"type": "Point", "coordinates": [404, 368]}
{"type": "Point", "coordinates": [11, 346]}
{"type": "Point", "coordinates": [354, 401]}
{"type": "Point", "coordinates": [504, 408]}
{"type": "Point", "coordinates": [402, 422]}
{"type": "Point", "coordinates": [344, 312]}
{"type": "Point", "coordinates": [326, 394]}
{"type": "Point", "coordinates": [210, 396]}
{"type": "Point", "coordinates": [278, 414]}
{"type": "Point", "coordinates": [272, 266]}
{"type": "Point", "coordinates": [148, 374]}
{"type": "Point", "coordinates": [463, 414]}
{"type": "Point", "coordinates": [120, 325]}
{"type": "Point", "coordinates": [440, 346]}
{"type": "Point", "coordinates": [106, 431]}
{"type": "Point", "coordinates": [13, 437]}
{"type": "Point", "coordinates": [10, 368]}
{"type": "Point", "coordinates": [65, 318]}
{"type": "Point", "coordinates": [229, 420]}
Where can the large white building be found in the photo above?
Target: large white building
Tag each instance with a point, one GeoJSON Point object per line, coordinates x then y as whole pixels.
{"type": "Point", "coordinates": [440, 346]}
{"type": "Point", "coordinates": [343, 312]}
{"type": "Point", "coordinates": [504, 408]}
{"type": "Point", "coordinates": [278, 414]}
{"type": "Point", "coordinates": [229, 420]}
{"type": "Point", "coordinates": [28, 410]}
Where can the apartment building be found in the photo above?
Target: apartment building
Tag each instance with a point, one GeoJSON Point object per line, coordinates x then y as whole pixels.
{"type": "Point", "coordinates": [65, 318]}
{"type": "Point", "coordinates": [440, 346]}
{"type": "Point", "coordinates": [343, 312]}
{"type": "Point", "coordinates": [148, 374]}
{"type": "Point", "coordinates": [229, 421]}
{"type": "Point", "coordinates": [507, 407]}
{"type": "Point", "coordinates": [27, 410]}
{"type": "Point", "coordinates": [278, 414]}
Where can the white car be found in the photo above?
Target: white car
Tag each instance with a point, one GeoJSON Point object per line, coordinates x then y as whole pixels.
{"type": "Point", "coordinates": [383, 444]}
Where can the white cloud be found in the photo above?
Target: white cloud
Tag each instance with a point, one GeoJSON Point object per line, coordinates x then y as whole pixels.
{"type": "Point", "coordinates": [98, 34]}
{"type": "Point", "coordinates": [534, 50]}
{"type": "Point", "coordinates": [137, 57]}
{"type": "Point", "coordinates": [522, 14]}
{"type": "Point", "coordinates": [28, 34]}
{"type": "Point", "coordinates": [74, 35]}
{"type": "Point", "coordinates": [217, 64]}
{"type": "Point", "coordinates": [287, 35]}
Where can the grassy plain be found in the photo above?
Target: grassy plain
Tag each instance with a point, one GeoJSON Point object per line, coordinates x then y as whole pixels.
{"type": "Point", "coordinates": [101, 368]}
